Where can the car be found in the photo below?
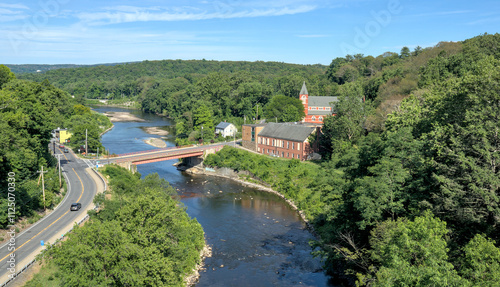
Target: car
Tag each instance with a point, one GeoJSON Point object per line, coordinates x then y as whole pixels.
{"type": "Point", "coordinates": [66, 150]}
{"type": "Point", "coordinates": [75, 206]}
{"type": "Point", "coordinates": [61, 146]}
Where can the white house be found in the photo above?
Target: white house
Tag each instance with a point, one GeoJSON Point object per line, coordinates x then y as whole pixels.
{"type": "Point", "coordinates": [225, 129]}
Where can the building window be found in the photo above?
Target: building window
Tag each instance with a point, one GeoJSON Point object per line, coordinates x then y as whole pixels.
{"type": "Point", "coordinates": [320, 119]}
{"type": "Point", "coordinates": [313, 118]}
{"type": "Point", "coordinates": [298, 156]}
{"type": "Point", "coordinates": [298, 146]}
{"type": "Point", "coordinates": [287, 154]}
{"type": "Point", "coordinates": [282, 154]}
{"type": "Point", "coordinates": [258, 149]}
{"type": "Point", "coordinates": [267, 150]}
{"type": "Point", "coordinates": [282, 143]}
{"type": "Point", "coordinates": [260, 140]}
{"type": "Point", "coordinates": [273, 142]}
{"type": "Point", "coordinates": [288, 145]}
{"type": "Point", "coordinates": [293, 145]}
{"type": "Point", "coordinates": [292, 155]}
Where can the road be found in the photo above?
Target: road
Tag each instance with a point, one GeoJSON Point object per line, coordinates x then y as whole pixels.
{"type": "Point", "coordinates": [81, 188]}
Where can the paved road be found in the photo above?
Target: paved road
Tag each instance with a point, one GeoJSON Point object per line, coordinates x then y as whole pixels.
{"type": "Point", "coordinates": [81, 188]}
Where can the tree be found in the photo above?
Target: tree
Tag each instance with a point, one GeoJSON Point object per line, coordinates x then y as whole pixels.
{"type": "Point", "coordinates": [346, 126]}
{"type": "Point", "coordinates": [412, 253]}
{"type": "Point", "coordinates": [5, 75]}
{"type": "Point", "coordinates": [284, 109]}
{"type": "Point", "coordinates": [405, 53]}
{"type": "Point", "coordinates": [481, 263]}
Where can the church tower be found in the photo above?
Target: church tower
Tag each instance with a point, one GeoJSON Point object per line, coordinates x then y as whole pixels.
{"type": "Point", "coordinates": [304, 97]}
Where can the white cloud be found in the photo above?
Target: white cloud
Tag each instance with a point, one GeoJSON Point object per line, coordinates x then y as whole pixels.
{"type": "Point", "coordinates": [12, 12]}
{"type": "Point", "coordinates": [13, 6]}
{"type": "Point", "coordinates": [124, 14]}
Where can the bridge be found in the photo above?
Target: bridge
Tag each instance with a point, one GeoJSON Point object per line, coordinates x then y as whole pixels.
{"type": "Point", "coordinates": [163, 154]}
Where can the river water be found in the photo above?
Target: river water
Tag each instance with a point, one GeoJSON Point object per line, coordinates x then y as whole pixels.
{"type": "Point", "coordinates": [256, 238]}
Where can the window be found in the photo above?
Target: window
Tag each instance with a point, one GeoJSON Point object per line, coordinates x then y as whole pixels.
{"type": "Point", "coordinates": [313, 118]}
{"type": "Point", "coordinates": [320, 119]}
{"type": "Point", "coordinates": [292, 155]}
{"type": "Point", "coordinates": [298, 146]}
{"type": "Point", "coordinates": [282, 154]}
{"type": "Point", "coordinates": [273, 142]}
{"type": "Point", "coordinates": [293, 145]}
{"type": "Point", "coordinates": [260, 140]}
{"type": "Point", "coordinates": [298, 156]}
{"type": "Point", "coordinates": [287, 154]}
{"type": "Point", "coordinates": [267, 150]}
{"type": "Point", "coordinates": [258, 149]}
{"type": "Point", "coordinates": [282, 143]}
{"type": "Point", "coordinates": [287, 145]}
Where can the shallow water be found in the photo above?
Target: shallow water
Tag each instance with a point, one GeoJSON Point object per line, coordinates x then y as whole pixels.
{"type": "Point", "coordinates": [256, 238]}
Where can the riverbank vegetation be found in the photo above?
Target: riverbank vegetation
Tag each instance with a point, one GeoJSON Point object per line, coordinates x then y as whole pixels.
{"type": "Point", "coordinates": [142, 236]}
{"type": "Point", "coordinates": [415, 199]}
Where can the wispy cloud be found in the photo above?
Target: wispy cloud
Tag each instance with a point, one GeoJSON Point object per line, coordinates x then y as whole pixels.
{"type": "Point", "coordinates": [441, 13]}
{"type": "Point", "coordinates": [12, 12]}
{"type": "Point", "coordinates": [124, 14]}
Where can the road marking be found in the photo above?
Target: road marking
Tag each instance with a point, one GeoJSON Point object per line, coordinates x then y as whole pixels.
{"type": "Point", "coordinates": [49, 224]}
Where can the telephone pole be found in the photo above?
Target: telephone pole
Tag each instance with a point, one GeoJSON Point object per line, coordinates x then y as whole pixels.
{"type": "Point", "coordinates": [59, 165]}
{"type": "Point", "coordinates": [86, 146]}
{"type": "Point", "coordinates": [43, 186]}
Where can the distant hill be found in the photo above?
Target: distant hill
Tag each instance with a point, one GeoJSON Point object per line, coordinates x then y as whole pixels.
{"type": "Point", "coordinates": [42, 68]}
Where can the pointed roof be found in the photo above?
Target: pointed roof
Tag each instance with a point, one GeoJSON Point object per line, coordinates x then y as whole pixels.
{"type": "Point", "coordinates": [303, 91]}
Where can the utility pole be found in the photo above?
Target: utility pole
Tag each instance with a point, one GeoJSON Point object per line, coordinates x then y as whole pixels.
{"type": "Point", "coordinates": [86, 145]}
{"type": "Point", "coordinates": [43, 186]}
{"type": "Point", "coordinates": [59, 165]}
{"type": "Point", "coordinates": [257, 116]}
{"type": "Point", "coordinates": [97, 152]}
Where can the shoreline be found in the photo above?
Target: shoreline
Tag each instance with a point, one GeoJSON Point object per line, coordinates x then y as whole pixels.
{"type": "Point", "coordinates": [194, 277]}
{"type": "Point", "coordinates": [198, 170]}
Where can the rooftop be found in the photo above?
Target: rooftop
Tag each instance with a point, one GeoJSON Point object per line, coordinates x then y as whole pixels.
{"type": "Point", "coordinates": [287, 131]}
{"type": "Point", "coordinates": [223, 125]}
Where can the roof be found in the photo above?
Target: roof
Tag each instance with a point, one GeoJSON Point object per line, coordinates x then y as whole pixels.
{"type": "Point", "coordinates": [303, 91]}
{"type": "Point", "coordinates": [223, 125]}
{"type": "Point", "coordinates": [254, 125]}
{"type": "Point", "coordinates": [319, 113]}
{"type": "Point", "coordinates": [287, 131]}
{"type": "Point", "coordinates": [322, 101]}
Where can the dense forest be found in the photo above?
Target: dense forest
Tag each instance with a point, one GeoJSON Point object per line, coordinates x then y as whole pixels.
{"type": "Point", "coordinates": [141, 236]}
{"type": "Point", "coordinates": [29, 111]}
{"type": "Point", "coordinates": [409, 191]}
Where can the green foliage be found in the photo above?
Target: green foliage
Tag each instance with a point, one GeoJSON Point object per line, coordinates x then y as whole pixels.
{"type": "Point", "coordinates": [412, 253]}
{"type": "Point", "coordinates": [142, 224]}
{"type": "Point", "coordinates": [481, 262]}
{"type": "Point", "coordinates": [28, 113]}
{"type": "Point", "coordinates": [347, 126]}
{"type": "Point", "coordinates": [5, 75]}
{"type": "Point", "coordinates": [284, 109]}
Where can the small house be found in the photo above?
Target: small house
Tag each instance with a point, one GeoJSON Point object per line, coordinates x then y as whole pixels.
{"type": "Point", "coordinates": [225, 129]}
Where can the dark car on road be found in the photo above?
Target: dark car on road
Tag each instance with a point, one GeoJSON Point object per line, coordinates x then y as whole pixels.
{"type": "Point", "coordinates": [75, 206]}
{"type": "Point", "coordinates": [66, 150]}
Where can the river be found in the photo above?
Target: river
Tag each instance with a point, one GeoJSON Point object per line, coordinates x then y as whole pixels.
{"type": "Point", "coordinates": [256, 238]}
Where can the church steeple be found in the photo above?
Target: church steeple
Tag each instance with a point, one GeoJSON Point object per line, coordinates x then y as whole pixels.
{"type": "Point", "coordinates": [303, 91]}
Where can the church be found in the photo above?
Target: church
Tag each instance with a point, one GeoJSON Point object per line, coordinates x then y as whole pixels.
{"type": "Point", "coordinates": [316, 108]}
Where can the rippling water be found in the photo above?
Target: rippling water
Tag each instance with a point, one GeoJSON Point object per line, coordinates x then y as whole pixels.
{"type": "Point", "coordinates": [256, 238]}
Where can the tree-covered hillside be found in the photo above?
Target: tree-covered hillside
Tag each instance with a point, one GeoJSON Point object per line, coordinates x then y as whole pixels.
{"type": "Point", "coordinates": [29, 111]}
{"type": "Point", "coordinates": [416, 201]}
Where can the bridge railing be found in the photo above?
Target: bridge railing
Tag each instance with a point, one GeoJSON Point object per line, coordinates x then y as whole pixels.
{"type": "Point", "coordinates": [165, 153]}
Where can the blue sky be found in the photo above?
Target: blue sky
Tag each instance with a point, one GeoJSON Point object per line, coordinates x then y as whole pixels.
{"type": "Point", "coordinates": [292, 31]}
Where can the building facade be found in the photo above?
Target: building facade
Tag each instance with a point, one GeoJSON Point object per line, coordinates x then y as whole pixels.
{"type": "Point", "coordinates": [316, 108]}
{"type": "Point", "coordinates": [286, 140]}
{"type": "Point", "coordinates": [249, 135]}
{"type": "Point", "coordinates": [225, 129]}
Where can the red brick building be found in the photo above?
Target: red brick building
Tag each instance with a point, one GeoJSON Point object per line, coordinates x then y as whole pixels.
{"type": "Point", "coordinates": [286, 140]}
{"type": "Point", "coordinates": [249, 135]}
{"type": "Point", "coordinates": [316, 108]}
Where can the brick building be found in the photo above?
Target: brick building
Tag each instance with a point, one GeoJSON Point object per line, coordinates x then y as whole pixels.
{"type": "Point", "coordinates": [249, 135]}
{"type": "Point", "coordinates": [286, 140]}
{"type": "Point", "coordinates": [316, 108]}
